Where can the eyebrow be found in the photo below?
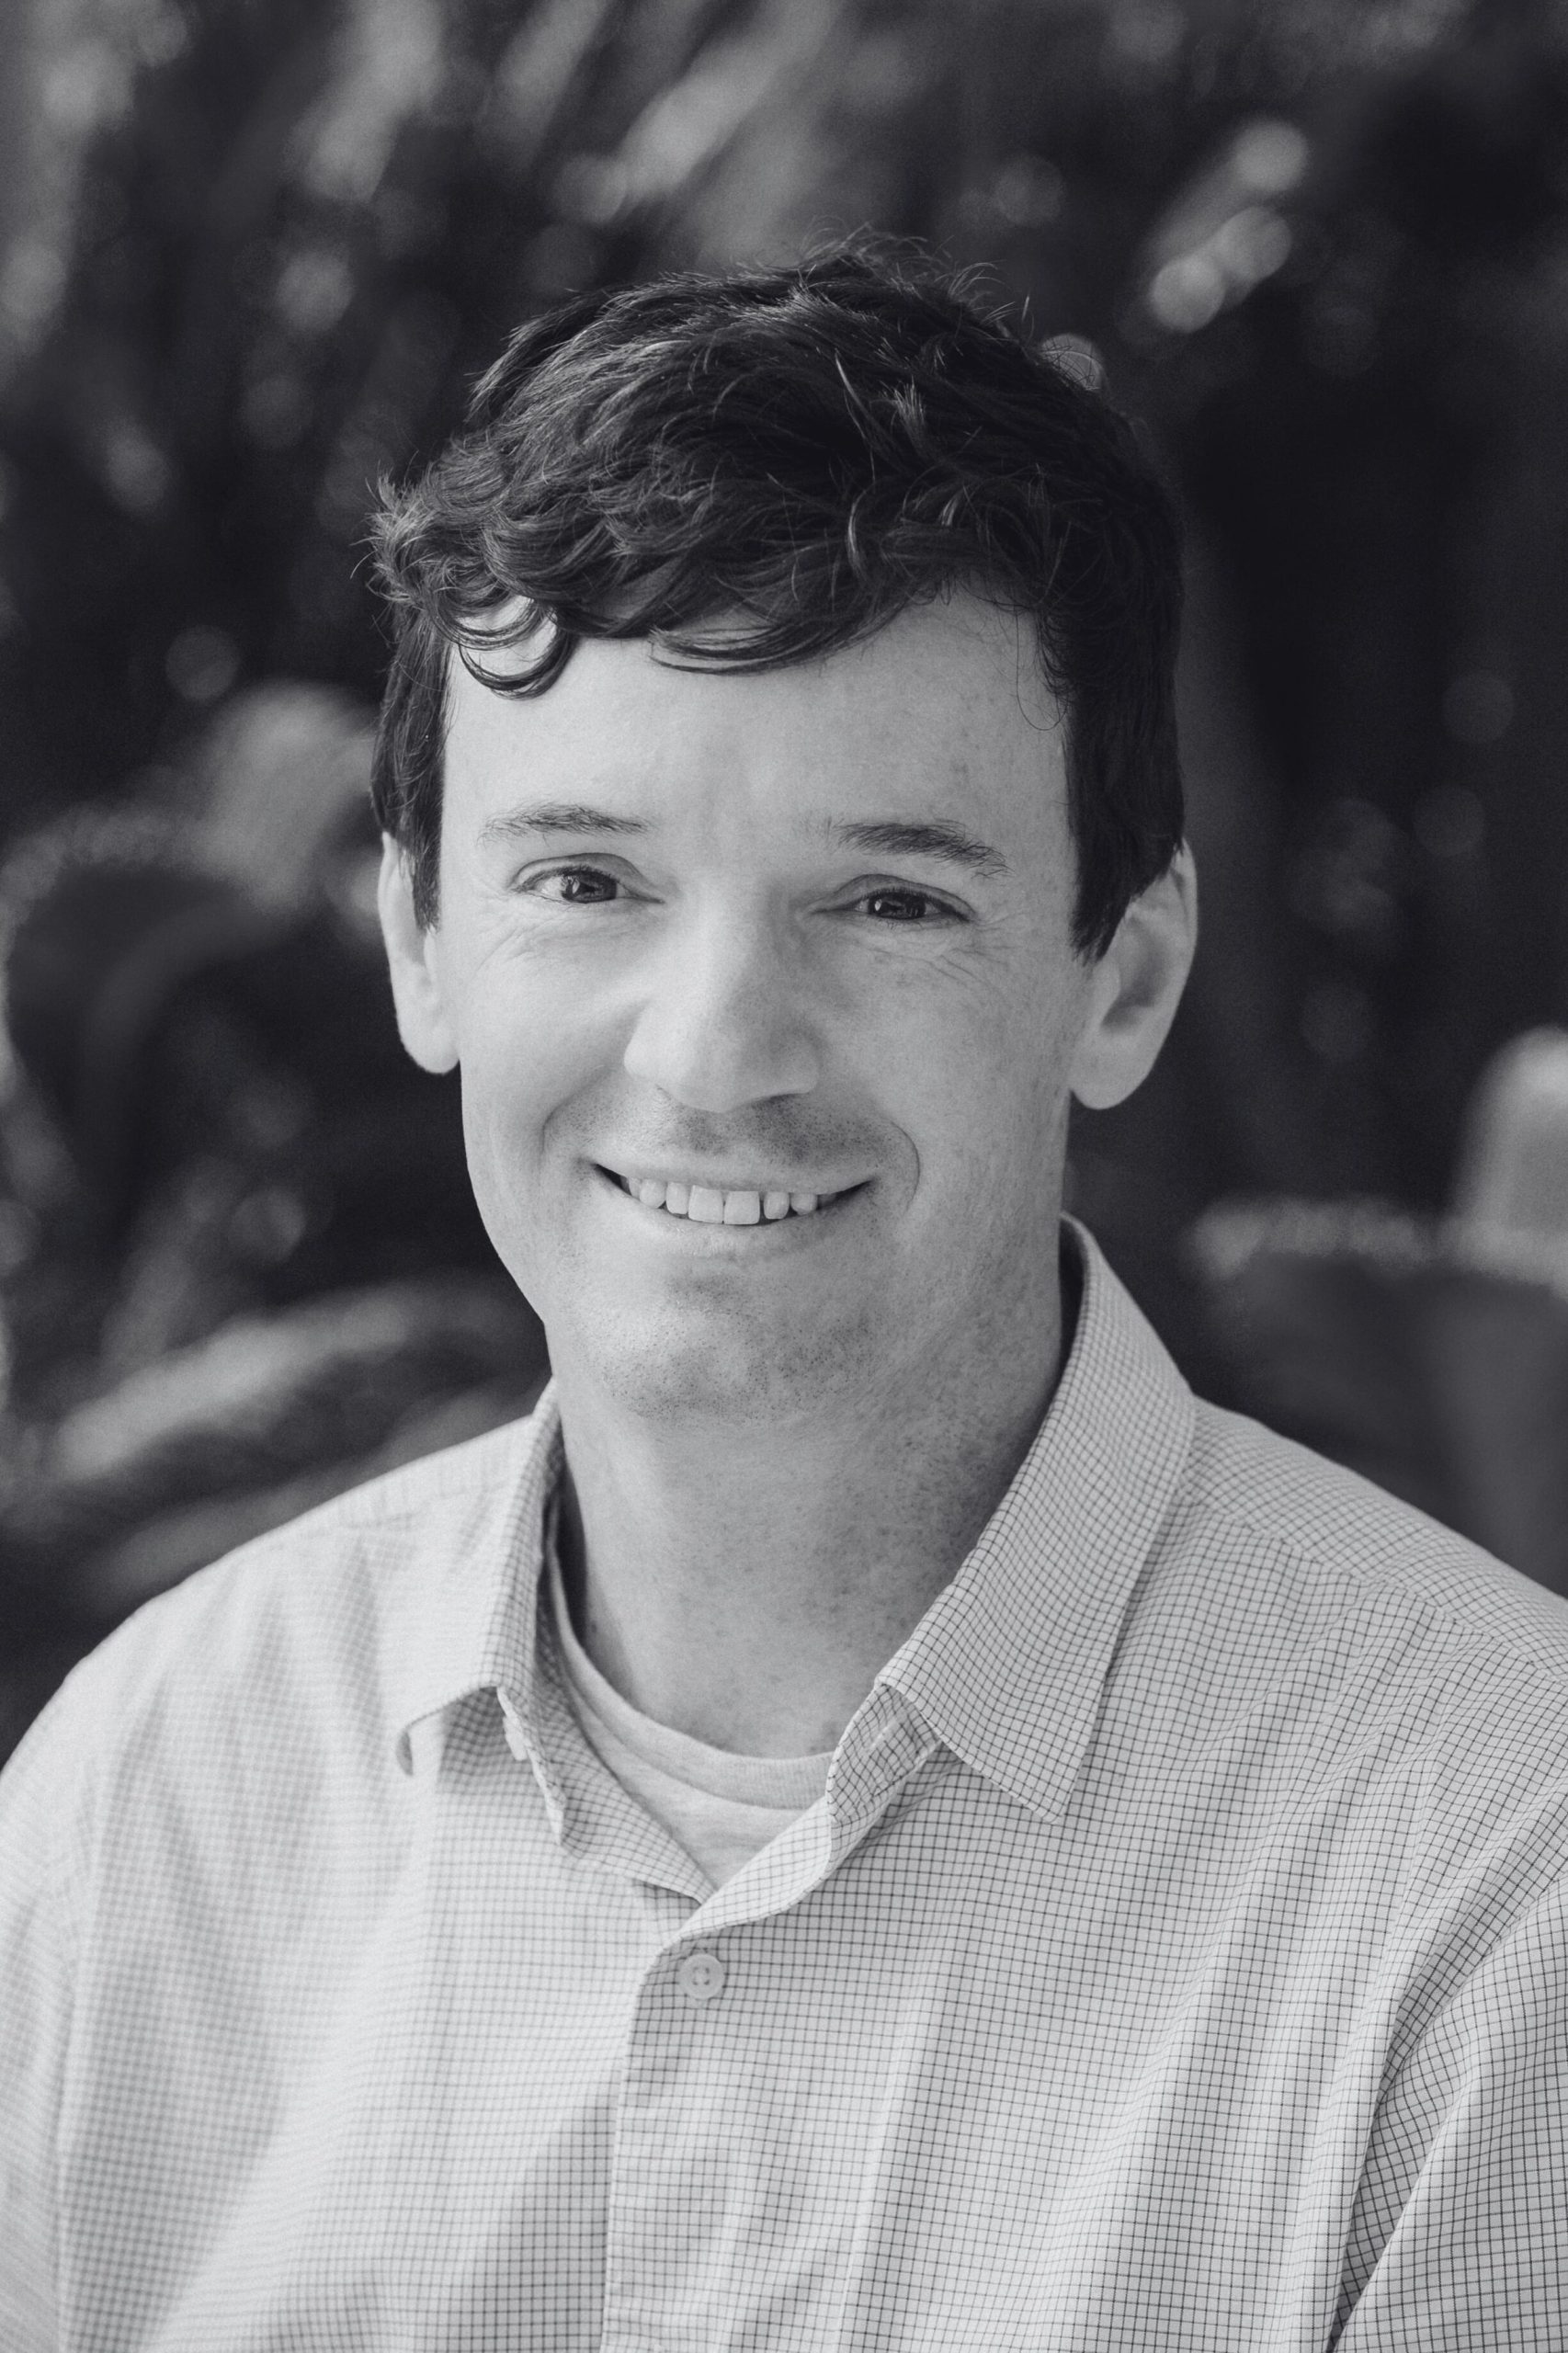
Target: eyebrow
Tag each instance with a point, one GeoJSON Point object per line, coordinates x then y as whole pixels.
{"type": "Point", "coordinates": [893, 837]}
{"type": "Point", "coordinates": [556, 817]}
{"type": "Point", "coordinates": [930, 838]}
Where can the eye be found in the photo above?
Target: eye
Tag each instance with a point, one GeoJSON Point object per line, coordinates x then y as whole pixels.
{"type": "Point", "coordinates": [577, 886]}
{"type": "Point", "coordinates": [904, 906]}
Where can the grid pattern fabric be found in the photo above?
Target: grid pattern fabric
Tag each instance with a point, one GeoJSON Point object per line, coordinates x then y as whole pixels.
{"type": "Point", "coordinates": [720, 1806]}
{"type": "Point", "coordinates": [1177, 1959]}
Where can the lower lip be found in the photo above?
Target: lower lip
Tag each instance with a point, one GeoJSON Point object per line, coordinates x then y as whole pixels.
{"type": "Point", "coordinates": [724, 1241]}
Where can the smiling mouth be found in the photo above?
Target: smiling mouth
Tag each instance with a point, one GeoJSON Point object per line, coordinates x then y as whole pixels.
{"type": "Point", "coordinates": [735, 1205]}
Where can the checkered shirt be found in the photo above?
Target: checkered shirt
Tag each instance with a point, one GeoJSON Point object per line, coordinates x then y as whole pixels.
{"type": "Point", "coordinates": [1177, 1959]}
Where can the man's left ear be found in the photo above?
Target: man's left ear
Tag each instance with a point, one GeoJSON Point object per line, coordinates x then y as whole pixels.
{"type": "Point", "coordinates": [1136, 987]}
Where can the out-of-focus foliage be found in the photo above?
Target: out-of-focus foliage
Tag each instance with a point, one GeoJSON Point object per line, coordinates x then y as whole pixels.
{"type": "Point", "coordinates": [250, 257]}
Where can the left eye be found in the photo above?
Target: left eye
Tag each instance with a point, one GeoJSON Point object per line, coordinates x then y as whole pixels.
{"type": "Point", "coordinates": [901, 906]}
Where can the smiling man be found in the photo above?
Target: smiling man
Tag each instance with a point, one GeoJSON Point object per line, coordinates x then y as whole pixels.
{"type": "Point", "coordinates": [764, 989]}
{"type": "Point", "coordinates": [873, 1819]}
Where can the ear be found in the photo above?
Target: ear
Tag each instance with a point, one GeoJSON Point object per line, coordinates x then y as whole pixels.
{"type": "Point", "coordinates": [1135, 988]}
{"type": "Point", "coordinates": [422, 1021]}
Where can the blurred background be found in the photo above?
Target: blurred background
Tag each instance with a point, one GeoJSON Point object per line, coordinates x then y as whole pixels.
{"type": "Point", "coordinates": [251, 255]}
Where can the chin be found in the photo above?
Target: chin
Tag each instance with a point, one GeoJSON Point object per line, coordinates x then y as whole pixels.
{"type": "Point", "coordinates": [710, 1368]}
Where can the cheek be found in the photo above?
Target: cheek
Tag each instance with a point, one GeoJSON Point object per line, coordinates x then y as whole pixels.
{"type": "Point", "coordinates": [982, 1084]}
{"type": "Point", "coordinates": [527, 1038]}
{"type": "Point", "coordinates": [521, 1062]}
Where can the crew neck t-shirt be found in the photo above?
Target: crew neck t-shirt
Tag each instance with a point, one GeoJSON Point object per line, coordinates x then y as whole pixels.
{"type": "Point", "coordinates": [721, 1807]}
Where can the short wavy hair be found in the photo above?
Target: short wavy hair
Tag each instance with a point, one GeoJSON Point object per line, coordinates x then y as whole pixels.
{"type": "Point", "coordinates": [755, 469]}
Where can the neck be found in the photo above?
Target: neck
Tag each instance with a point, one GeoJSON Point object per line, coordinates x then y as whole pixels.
{"type": "Point", "coordinates": [745, 1582]}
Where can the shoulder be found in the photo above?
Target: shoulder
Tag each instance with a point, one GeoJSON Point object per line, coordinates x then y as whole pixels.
{"type": "Point", "coordinates": [1244, 1477]}
{"type": "Point", "coordinates": [1293, 1574]}
{"type": "Point", "coordinates": [302, 1638]}
{"type": "Point", "coordinates": [354, 1559]}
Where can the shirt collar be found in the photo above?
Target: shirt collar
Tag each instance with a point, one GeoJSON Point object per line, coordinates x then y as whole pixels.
{"type": "Point", "coordinates": [465, 1621]}
{"type": "Point", "coordinates": [1007, 1667]}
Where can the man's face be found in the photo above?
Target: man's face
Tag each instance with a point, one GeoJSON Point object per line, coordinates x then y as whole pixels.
{"type": "Point", "coordinates": [712, 941]}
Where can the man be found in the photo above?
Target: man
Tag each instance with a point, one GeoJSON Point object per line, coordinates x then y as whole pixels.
{"type": "Point", "coordinates": [873, 1820]}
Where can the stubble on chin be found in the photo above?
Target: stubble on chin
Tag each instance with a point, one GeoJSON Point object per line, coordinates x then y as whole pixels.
{"type": "Point", "coordinates": [690, 1363]}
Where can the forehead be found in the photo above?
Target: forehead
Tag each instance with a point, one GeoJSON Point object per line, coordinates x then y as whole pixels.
{"type": "Point", "coordinates": [948, 703]}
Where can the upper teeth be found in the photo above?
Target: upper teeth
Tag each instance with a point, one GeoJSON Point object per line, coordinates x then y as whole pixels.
{"type": "Point", "coordinates": [706, 1205]}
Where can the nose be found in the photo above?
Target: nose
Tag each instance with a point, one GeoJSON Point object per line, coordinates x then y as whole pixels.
{"type": "Point", "coordinates": [721, 1023]}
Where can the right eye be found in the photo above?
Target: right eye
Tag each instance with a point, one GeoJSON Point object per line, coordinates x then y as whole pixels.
{"type": "Point", "coordinates": [577, 886]}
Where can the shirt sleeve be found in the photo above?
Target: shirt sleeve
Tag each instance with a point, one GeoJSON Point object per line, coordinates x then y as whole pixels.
{"type": "Point", "coordinates": [1460, 2232]}
{"type": "Point", "coordinates": [37, 1791]}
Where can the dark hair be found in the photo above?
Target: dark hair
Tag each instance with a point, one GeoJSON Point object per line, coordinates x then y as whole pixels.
{"type": "Point", "coordinates": [754, 469]}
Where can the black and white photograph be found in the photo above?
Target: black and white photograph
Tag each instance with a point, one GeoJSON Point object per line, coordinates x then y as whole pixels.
{"type": "Point", "coordinates": [783, 1175]}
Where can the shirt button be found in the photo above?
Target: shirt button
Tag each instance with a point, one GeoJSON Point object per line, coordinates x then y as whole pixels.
{"type": "Point", "coordinates": [701, 1975]}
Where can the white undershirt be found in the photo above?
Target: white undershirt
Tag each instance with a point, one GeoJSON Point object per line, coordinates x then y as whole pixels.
{"type": "Point", "coordinates": [720, 1807]}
